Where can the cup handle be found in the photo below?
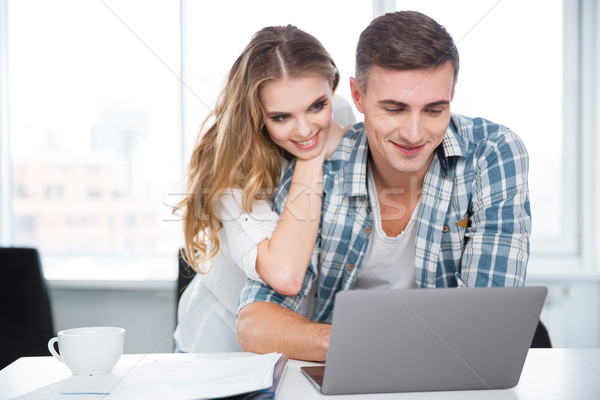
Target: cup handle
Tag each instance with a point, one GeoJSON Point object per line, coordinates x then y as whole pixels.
{"type": "Point", "coordinates": [52, 351]}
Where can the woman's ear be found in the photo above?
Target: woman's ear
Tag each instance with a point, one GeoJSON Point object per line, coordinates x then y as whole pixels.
{"type": "Point", "coordinates": [357, 94]}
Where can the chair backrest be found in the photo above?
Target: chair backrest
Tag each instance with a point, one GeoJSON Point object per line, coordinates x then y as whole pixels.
{"type": "Point", "coordinates": [185, 275]}
{"type": "Point", "coordinates": [25, 305]}
{"type": "Point", "coordinates": [541, 338]}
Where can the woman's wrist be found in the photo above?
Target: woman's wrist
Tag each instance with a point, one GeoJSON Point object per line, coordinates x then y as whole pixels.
{"type": "Point", "coordinates": [314, 188]}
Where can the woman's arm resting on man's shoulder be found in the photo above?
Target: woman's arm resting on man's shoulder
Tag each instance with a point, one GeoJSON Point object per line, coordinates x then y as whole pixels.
{"type": "Point", "coordinates": [265, 327]}
{"type": "Point", "coordinates": [282, 260]}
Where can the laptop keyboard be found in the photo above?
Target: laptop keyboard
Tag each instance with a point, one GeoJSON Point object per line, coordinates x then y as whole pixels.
{"type": "Point", "coordinates": [316, 374]}
{"type": "Point", "coordinates": [318, 379]}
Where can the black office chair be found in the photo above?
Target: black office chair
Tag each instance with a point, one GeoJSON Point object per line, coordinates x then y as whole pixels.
{"type": "Point", "coordinates": [25, 309]}
{"type": "Point", "coordinates": [185, 275]}
{"type": "Point", "coordinates": [541, 338]}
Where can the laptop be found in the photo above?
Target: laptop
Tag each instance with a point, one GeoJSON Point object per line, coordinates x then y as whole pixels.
{"type": "Point", "coordinates": [417, 340]}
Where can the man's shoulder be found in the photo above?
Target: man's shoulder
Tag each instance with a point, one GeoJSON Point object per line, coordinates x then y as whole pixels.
{"type": "Point", "coordinates": [477, 133]}
{"type": "Point", "coordinates": [353, 136]}
{"type": "Point", "coordinates": [356, 130]}
{"type": "Point", "coordinates": [352, 148]}
{"type": "Point", "coordinates": [476, 128]}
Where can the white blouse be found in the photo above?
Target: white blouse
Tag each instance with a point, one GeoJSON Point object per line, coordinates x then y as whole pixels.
{"type": "Point", "coordinates": [208, 307]}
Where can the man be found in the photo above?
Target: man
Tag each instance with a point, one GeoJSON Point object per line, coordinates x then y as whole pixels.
{"type": "Point", "coordinates": [415, 197]}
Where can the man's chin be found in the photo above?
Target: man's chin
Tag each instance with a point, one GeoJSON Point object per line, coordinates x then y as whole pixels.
{"type": "Point", "coordinates": [412, 167]}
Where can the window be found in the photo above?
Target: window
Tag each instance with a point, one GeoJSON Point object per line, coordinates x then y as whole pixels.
{"type": "Point", "coordinates": [215, 33]}
{"type": "Point", "coordinates": [95, 129]}
{"type": "Point", "coordinates": [106, 99]}
{"type": "Point", "coordinates": [512, 73]}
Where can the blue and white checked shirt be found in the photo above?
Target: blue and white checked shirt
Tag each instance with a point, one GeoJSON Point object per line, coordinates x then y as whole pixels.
{"type": "Point", "coordinates": [473, 224]}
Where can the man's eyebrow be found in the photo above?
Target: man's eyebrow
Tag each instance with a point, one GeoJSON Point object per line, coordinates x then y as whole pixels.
{"type": "Point", "coordinates": [438, 103]}
{"type": "Point", "coordinates": [392, 103]}
{"type": "Point", "coordinates": [397, 103]}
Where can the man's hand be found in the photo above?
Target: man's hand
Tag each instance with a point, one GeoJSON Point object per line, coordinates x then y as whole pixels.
{"type": "Point", "coordinates": [265, 327]}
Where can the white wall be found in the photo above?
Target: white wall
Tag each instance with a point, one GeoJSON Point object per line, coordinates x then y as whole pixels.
{"type": "Point", "coordinates": [571, 312]}
{"type": "Point", "coordinates": [572, 309]}
{"type": "Point", "coordinates": [148, 314]}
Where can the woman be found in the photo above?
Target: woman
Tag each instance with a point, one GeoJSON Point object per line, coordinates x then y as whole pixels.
{"type": "Point", "coordinates": [276, 105]}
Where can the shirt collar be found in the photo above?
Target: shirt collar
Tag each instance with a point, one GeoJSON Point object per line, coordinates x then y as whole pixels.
{"type": "Point", "coordinates": [453, 142]}
{"type": "Point", "coordinates": [352, 155]}
{"type": "Point", "coordinates": [452, 145]}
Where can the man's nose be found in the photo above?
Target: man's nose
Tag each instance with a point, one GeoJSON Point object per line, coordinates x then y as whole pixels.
{"type": "Point", "coordinates": [413, 128]}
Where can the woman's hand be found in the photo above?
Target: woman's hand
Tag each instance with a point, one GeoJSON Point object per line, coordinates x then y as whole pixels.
{"type": "Point", "coordinates": [334, 137]}
{"type": "Point", "coordinates": [282, 260]}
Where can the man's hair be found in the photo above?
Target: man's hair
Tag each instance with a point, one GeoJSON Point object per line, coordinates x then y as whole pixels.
{"type": "Point", "coordinates": [403, 40]}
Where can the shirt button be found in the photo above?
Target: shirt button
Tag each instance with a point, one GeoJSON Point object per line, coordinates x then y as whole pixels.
{"type": "Point", "coordinates": [351, 267]}
{"type": "Point", "coordinates": [445, 229]}
{"type": "Point", "coordinates": [367, 229]}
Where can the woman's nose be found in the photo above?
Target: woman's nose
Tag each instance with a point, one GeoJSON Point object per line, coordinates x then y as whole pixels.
{"type": "Point", "coordinates": [303, 127]}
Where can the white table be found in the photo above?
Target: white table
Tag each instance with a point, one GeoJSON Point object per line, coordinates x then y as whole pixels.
{"type": "Point", "coordinates": [565, 374]}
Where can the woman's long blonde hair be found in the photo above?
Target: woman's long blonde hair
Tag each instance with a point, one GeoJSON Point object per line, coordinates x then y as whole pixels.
{"type": "Point", "coordinates": [234, 150]}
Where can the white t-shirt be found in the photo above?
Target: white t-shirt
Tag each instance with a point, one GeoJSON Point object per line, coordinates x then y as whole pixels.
{"type": "Point", "coordinates": [389, 262]}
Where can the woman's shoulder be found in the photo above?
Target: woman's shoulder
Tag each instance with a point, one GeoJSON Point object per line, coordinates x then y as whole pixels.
{"type": "Point", "coordinates": [231, 204]}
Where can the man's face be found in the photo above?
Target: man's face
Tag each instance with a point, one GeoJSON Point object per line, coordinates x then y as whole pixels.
{"type": "Point", "coordinates": [406, 116]}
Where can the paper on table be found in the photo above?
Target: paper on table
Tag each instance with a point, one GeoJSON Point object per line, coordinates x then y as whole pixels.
{"type": "Point", "coordinates": [78, 387]}
{"type": "Point", "coordinates": [197, 379]}
{"type": "Point", "coordinates": [186, 379]}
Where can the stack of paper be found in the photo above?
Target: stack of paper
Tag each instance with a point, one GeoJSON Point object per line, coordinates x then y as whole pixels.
{"type": "Point", "coordinates": [197, 379]}
{"type": "Point", "coordinates": [158, 379]}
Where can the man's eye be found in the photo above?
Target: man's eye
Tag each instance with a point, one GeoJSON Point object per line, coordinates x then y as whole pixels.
{"type": "Point", "coordinates": [434, 112]}
{"type": "Point", "coordinates": [318, 106]}
{"type": "Point", "coordinates": [393, 110]}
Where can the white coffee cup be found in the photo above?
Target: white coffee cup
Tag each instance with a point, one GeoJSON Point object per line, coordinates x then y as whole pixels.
{"type": "Point", "coordinates": [90, 350]}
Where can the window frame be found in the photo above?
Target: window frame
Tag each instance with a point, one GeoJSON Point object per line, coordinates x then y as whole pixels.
{"type": "Point", "coordinates": [588, 18]}
{"type": "Point", "coordinates": [5, 158]}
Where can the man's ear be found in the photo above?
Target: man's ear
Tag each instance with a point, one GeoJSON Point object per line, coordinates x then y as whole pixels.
{"type": "Point", "coordinates": [357, 95]}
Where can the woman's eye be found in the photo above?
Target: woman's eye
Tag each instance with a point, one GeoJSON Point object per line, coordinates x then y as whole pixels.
{"type": "Point", "coordinates": [318, 106]}
{"type": "Point", "coordinates": [279, 118]}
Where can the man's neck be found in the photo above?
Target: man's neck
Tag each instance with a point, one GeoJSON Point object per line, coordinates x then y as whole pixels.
{"type": "Point", "coordinates": [398, 195]}
{"type": "Point", "coordinates": [386, 178]}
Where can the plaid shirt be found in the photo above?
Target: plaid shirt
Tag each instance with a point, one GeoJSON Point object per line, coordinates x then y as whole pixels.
{"type": "Point", "coordinates": [473, 224]}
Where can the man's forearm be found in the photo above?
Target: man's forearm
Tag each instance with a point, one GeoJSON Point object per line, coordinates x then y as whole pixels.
{"type": "Point", "coordinates": [265, 327]}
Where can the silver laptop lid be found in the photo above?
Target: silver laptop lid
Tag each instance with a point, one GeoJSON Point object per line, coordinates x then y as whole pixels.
{"type": "Point", "coordinates": [426, 340]}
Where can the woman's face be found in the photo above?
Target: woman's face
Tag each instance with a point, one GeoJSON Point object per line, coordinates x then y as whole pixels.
{"type": "Point", "coordinates": [298, 113]}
